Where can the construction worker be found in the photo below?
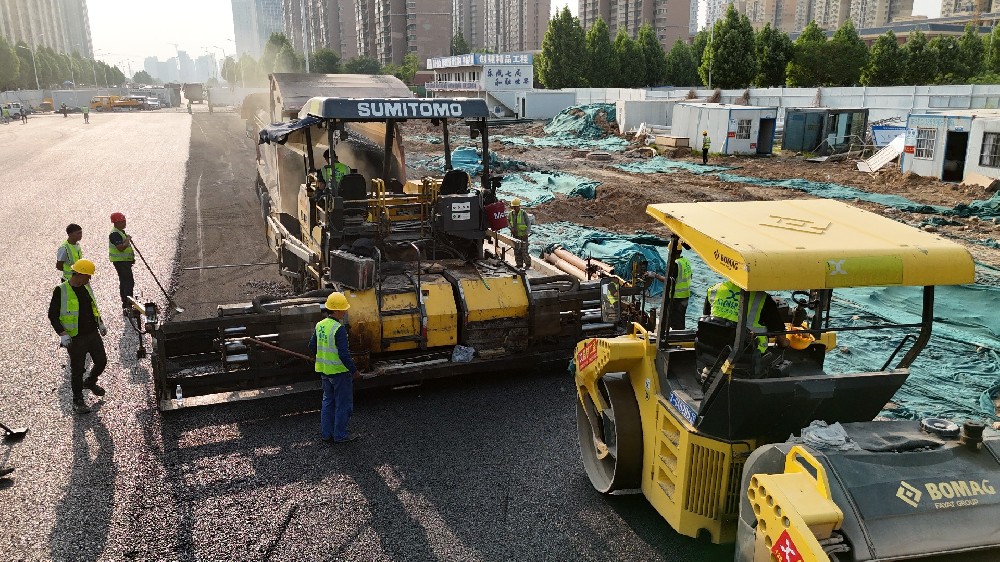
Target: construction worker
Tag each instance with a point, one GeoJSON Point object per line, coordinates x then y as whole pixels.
{"type": "Point", "coordinates": [680, 271]}
{"type": "Point", "coordinates": [520, 227]}
{"type": "Point", "coordinates": [333, 170]}
{"type": "Point", "coordinates": [69, 251]}
{"type": "Point", "coordinates": [122, 256]}
{"type": "Point", "coordinates": [74, 315]}
{"type": "Point", "coordinates": [24, 116]}
{"type": "Point", "coordinates": [722, 303]}
{"type": "Point", "coordinates": [336, 370]}
{"type": "Point", "coordinates": [706, 143]}
{"type": "Point", "coordinates": [86, 114]}
{"type": "Point", "coordinates": [5, 115]}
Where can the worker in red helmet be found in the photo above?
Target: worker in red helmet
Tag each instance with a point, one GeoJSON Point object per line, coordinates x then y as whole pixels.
{"type": "Point", "coordinates": [122, 257]}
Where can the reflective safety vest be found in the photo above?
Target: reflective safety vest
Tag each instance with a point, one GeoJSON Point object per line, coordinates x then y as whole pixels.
{"type": "Point", "coordinates": [706, 141]}
{"type": "Point", "coordinates": [327, 358]}
{"type": "Point", "coordinates": [73, 253]}
{"type": "Point", "coordinates": [339, 170]}
{"type": "Point", "coordinates": [518, 223]}
{"type": "Point", "coordinates": [682, 286]}
{"type": "Point", "coordinates": [128, 254]}
{"type": "Point", "coordinates": [725, 300]}
{"type": "Point", "coordinates": [69, 309]}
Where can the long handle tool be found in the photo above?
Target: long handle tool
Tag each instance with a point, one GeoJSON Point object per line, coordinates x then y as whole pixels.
{"type": "Point", "coordinates": [170, 299]}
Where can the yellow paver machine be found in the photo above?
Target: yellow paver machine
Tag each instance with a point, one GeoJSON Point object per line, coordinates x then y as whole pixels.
{"type": "Point", "coordinates": [700, 420]}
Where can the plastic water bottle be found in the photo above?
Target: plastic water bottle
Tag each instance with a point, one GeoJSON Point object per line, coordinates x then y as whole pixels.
{"type": "Point", "coordinates": [179, 395]}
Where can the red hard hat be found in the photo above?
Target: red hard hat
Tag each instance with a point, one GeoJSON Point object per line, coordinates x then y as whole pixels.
{"type": "Point", "coordinates": [117, 217]}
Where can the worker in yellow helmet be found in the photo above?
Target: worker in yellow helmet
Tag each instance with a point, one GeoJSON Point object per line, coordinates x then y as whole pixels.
{"type": "Point", "coordinates": [519, 222]}
{"type": "Point", "coordinates": [74, 315]}
{"type": "Point", "coordinates": [334, 366]}
{"type": "Point", "coordinates": [706, 143]}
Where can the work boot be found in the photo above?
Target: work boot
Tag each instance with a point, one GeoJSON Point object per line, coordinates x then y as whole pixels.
{"type": "Point", "coordinates": [92, 385]}
{"type": "Point", "coordinates": [80, 406]}
{"type": "Point", "coordinates": [350, 437]}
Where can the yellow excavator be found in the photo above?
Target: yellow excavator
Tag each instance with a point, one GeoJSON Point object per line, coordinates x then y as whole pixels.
{"type": "Point", "coordinates": [771, 449]}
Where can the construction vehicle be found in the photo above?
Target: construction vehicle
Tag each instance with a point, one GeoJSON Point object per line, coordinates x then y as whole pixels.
{"type": "Point", "coordinates": [194, 92]}
{"type": "Point", "coordinates": [432, 293]}
{"type": "Point", "coordinates": [700, 420]}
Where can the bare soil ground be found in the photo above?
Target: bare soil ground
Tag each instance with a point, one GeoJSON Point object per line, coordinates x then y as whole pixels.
{"type": "Point", "coordinates": [623, 196]}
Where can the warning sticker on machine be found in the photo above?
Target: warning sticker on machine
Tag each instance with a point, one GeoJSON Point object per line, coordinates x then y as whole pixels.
{"type": "Point", "coordinates": [587, 355]}
{"type": "Point", "coordinates": [785, 550]}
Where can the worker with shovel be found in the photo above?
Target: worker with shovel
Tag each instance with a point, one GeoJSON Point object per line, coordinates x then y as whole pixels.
{"type": "Point", "coordinates": [336, 369]}
{"type": "Point", "coordinates": [122, 257]}
{"type": "Point", "coordinates": [74, 315]}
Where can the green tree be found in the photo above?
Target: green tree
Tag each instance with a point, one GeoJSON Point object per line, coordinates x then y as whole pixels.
{"type": "Point", "coordinates": [698, 46]}
{"type": "Point", "coordinates": [405, 71]}
{"type": "Point", "coordinates": [10, 64]}
{"type": "Point", "coordinates": [231, 70]}
{"type": "Point", "coordinates": [730, 60]}
{"type": "Point", "coordinates": [991, 63]}
{"type": "Point", "coordinates": [949, 67]}
{"type": "Point", "coordinates": [601, 70]}
{"type": "Point", "coordinates": [26, 74]}
{"type": "Point", "coordinates": [628, 60]}
{"type": "Point", "coordinates": [774, 51]}
{"type": "Point", "coordinates": [459, 46]}
{"type": "Point", "coordinates": [886, 66]}
{"type": "Point", "coordinates": [251, 71]}
{"type": "Point", "coordinates": [971, 52]}
{"type": "Point", "coordinates": [275, 43]}
{"type": "Point", "coordinates": [921, 61]}
{"type": "Point", "coordinates": [681, 68]}
{"type": "Point", "coordinates": [143, 77]}
{"type": "Point", "coordinates": [362, 65]}
{"type": "Point", "coordinates": [560, 64]}
{"type": "Point", "coordinates": [807, 69]}
{"type": "Point", "coordinates": [288, 60]}
{"type": "Point", "coordinates": [652, 55]}
{"type": "Point", "coordinates": [325, 61]}
{"type": "Point", "coordinates": [847, 54]}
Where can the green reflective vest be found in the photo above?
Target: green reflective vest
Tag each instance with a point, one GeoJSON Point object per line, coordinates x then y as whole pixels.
{"type": "Point", "coordinates": [682, 286]}
{"type": "Point", "coordinates": [69, 309]}
{"type": "Point", "coordinates": [706, 142]}
{"type": "Point", "coordinates": [73, 253]}
{"type": "Point", "coordinates": [725, 300]}
{"type": "Point", "coordinates": [518, 220]}
{"type": "Point", "coordinates": [327, 358]}
{"type": "Point", "coordinates": [338, 169]}
{"type": "Point", "coordinates": [128, 254]}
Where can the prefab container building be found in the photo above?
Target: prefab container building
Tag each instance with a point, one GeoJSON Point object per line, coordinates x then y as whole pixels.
{"type": "Point", "coordinates": [734, 129]}
{"type": "Point", "coordinates": [956, 146]}
{"type": "Point", "coordinates": [823, 130]}
{"type": "Point", "coordinates": [630, 114]}
{"type": "Point", "coordinates": [542, 104]}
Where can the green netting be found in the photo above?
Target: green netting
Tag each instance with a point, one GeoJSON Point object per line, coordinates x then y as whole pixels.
{"type": "Point", "coordinates": [469, 159]}
{"type": "Point", "coordinates": [609, 144]}
{"type": "Point", "coordinates": [957, 375]}
{"type": "Point", "coordinates": [431, 139]}
{"type": "Point", "coordinates": [659, 164]}
{"type": "Point", "coordinates": [593, 121]}
{"type": "Point", "coordinates": [535, 188]}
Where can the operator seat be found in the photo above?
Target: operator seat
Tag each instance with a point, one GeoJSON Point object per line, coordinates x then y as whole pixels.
{"type": "Point", "coordinates": [716, 336]}
{"type": "Point", "coordinates": [354, 192]}
{"type": "Point", "coordinates": [455, 182]}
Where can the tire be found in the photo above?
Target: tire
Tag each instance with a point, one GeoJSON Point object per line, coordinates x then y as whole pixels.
{"type": "Point", "coordinates": [620, 466]}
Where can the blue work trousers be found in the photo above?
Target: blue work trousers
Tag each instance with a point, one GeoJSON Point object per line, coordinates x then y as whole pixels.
{"type": "Point", "coordinates": [338, 404]}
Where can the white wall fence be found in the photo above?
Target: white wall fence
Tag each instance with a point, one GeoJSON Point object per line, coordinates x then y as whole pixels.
{"type": "Point", "coordinates": [883, 102]}
{"type": "Point", "coordinates": [232, 96]}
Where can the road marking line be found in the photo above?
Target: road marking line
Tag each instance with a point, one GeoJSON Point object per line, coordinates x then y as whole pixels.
{"type": "Point", "coordinates": [197, 212]}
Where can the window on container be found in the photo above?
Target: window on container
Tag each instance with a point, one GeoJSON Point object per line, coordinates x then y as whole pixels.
{"type": "Point", "coordinates": [743, 129]}
{"type": "Point", "coordinates": [925, 143]}
{"type": "Point", "coordinates": [990, 155]}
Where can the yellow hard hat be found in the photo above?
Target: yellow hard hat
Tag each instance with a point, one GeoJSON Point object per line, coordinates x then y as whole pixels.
{"type": "Point", "coordinates": [515, 203]}
{"type": "Point", "coordinates": [337, 301]}
{"type": "Point", "coordinates": [83, 267]}
{"type": "Point", "coordinates": [704, 132]}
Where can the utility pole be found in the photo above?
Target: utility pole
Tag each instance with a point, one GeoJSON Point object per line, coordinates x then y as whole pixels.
{"type": "Point", "coordinates": [305, 33]}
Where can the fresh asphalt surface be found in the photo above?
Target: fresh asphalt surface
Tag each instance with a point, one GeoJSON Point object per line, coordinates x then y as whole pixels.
{"type": "Point", "coordinates": [483, 468]}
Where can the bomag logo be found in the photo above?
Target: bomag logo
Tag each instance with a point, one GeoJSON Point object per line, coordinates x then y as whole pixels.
{"type": "Point", "coordinates": [727, 261]}
{"type": "Point", "coordinates": [953, 493]}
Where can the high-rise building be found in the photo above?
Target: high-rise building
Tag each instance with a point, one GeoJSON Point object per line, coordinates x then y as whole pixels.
{"type": "Point", "coordinates": [781, 14]}
{"type": "Point", "coordinates": [185, 67]}
{"type": "Point", "coordinates": [61, 25]}
{"type": "Point", "coordinates": [253, 23]}
{"type": "Point", "coordinates": [364, 14]}
{"type": "Point", "coordinates": [968, 7]}
{"type": "Point", "coordinates": [331, 25]}
{"type": "Point", "coordinates": [467, 20]}
{"type": "Point", "coordinates": [715, 10]}
{"type": "Point", "coordinates": [389, 29]}
{"type": "Point", "coordinates": [693, 17]}
{"type": "Point", "coordinates": [670, 19]}
{"type": "Point", "coordinates": [516, 25]}
{"type": "Point", "coordinates": [877, 13]}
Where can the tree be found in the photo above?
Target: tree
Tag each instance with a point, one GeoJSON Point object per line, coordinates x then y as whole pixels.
{"type": "Point", "coordinates": [970, 52]}
{"type": "Point", "coordinates": [275, 43]}
{"type": "Point", "coordinates": [231, 70]}
{"type": "Point", "coordinates": [143, 77]}
{"type": "Point", "coordinates": [991, 64]}
{"type": "Point", "coordinates": [807, 69]}
{"type": "Point", "coordinates": [885, 65]}
{"type": "Point", "coordinates": [405, 71]}
{"type": "Point", "coordinates": [698, 46]}
{"type": "Point", "coordinates": [652, 55]}
{"type": "Point", "coordinates": [628, 60]}
{"type": "Point", "coordinates": [921, 66]}
{"type": "Point", "coordinates": [459, 46]}
{"type": "Point", "coordinates": [601, 70]}
{"type": "Point", "coordinates": [325, 61]}
{"type": "Point", "coordinates": [288, 60]}
{"type": "Point", "coordinates": [949, 69]}
{"type": "Point", "coordinates": [10, 64]}
{"type": "Point", "coordinates": [730, 60]}
{"type": "Point", "coordinates": [560, 64]}
{"type": "Point", "coordinates": [681, 68]}
{"type": "Point", "coordinates": [774, 51]}
{"type": "Point", "coordinates": [26, 72]}
{"type": "Point", "coordinates": [362, 65]}
{"type": "Point", "coordinates": [847, 54]}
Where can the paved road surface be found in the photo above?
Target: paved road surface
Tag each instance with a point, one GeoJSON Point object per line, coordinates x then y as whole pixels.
{"type": "Point", "coordinates": [475, 469]}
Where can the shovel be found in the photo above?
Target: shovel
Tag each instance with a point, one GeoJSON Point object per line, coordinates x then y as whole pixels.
{"type": "Point", "coordinates": [170, 300]}
{"type": "Point", "coordinates": [13, 434]}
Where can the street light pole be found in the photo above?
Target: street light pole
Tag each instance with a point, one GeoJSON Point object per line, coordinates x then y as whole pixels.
{"type": "Point", "coordinates": [33, 65]}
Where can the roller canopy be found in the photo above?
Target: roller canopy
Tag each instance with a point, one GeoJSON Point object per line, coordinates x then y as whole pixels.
{"type": "Point", "coordinates": [380, 109]}
{"type": "Point", "coordinates": [812, 244]}
{"type": "Point", "coordinates": [278, 132]}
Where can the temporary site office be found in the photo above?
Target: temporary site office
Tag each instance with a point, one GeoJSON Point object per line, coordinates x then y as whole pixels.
{"type": "Point", "coordinates": [734, 129]}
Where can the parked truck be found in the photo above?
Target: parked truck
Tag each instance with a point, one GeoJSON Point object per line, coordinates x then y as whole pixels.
{"type": "Point", "coordinates": [195, 92]}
